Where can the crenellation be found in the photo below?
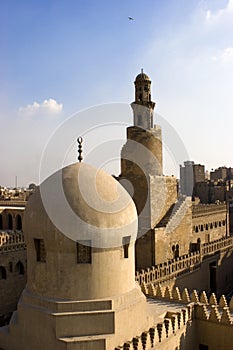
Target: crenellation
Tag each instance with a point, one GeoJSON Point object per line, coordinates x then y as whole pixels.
{"type": "Point", "coordinates": [214, 314]}
{"type": "Point", "coordinates": [176, 294]}
{"type": "Point", "coordinates": [168, 293]}
{"type": "Point", "coordinates": [213, 299]}
{"type": "Point", "coordinates": [203, 298]}
{"type": "Point", "coordinates": [151, 290]}
{"type": "Point", "coordinates": [183, 264]}
{"type": "Point", "coordinates": [179, 319]}
{"type": "Point", "coordinates": [194, 296]}
{"type": "Point", "coordinates": [226, 317]}
{"type": "Point", "coordinates": [185, 296]}
{"type": "Point", "coordinates": [152, 332]}
{"type": "Point", "coordinates": [184, 315]}
{"type": "Point", "coordinates": [135, 343]}
{"type": "Point", "coordinates": [160, 331]}
{"type": "Point", "coordinates": [223, 302]}
{"type": "Point", "coordinates": [144, 338]}
{"type": "Point", "coordinates": [159, 291]}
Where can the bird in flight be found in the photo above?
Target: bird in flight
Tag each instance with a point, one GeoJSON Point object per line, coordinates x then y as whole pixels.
{"type": "Point", "coordinates": [131, 18]}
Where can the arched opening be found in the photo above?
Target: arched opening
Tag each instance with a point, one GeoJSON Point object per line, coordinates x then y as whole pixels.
{"type": "Point", "coordinates": [173, 251]}
{"type": "Point", "coordinates": [18, 222]}
{"type": "Point", "coordinates": [19, 268]}
{"type": "Point", "coordinates": [196, 229]}
{"type": "Point", "coordinates": [177, 251]}
{"type": "Point", "coordinates": [0, 221]}
{"type": "Point", "coordinates": [10, 222]}
{"type": "Point", "coordinates": [2, 273]}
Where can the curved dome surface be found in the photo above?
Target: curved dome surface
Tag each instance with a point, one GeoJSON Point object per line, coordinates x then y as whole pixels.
{"type": "Point", "coordinates": [142, 76]}
{"type": "Point", "coordinates": [82, 203]}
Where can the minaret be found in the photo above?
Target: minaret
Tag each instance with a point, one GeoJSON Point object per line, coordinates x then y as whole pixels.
{"type": "Point", "coordinates": [142, 172]}
{"type": "Point", "coordinates": [143, 107]}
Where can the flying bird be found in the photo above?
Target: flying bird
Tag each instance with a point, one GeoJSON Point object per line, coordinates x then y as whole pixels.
{"type": "Point", "coordinates": [131, 18]}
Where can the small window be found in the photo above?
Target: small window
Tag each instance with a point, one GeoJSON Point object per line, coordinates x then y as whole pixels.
{"type": "Point", "coordinates": [2, 273]}
{"type": "Point", "coordinates": [84, 252]}
{"type": "Point", "coordinates": [19, 268]}
{"type": "Point", "coordinates": [10, 222]}
{"type": "Point", "coordinates": [18, 222]}
{"type": "Point", "coordinates": [126, 242]}
{"type": "Point", "coordinates": [40, 250]}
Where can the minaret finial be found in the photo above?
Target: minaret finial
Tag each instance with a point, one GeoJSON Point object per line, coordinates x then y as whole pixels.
{"type": "Point", "coordinates": [80, 141]}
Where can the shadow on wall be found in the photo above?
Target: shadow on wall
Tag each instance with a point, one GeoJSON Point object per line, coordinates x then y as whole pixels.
{"type": "Point", "coordinates": [188, 340]}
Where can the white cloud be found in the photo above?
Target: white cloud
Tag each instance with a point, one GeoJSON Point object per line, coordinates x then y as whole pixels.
{"type": "Point", "coordinates": [221, 13]}
{"type": "Point", "coordinates": [47, 107]}
{"type": "Point", "coordinates": [226, 56]}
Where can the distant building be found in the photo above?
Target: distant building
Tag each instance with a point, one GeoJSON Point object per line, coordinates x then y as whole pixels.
{"type": "Point", "coordinates": [219, 174]}
{"type": "Point", "coordinates": [191, 174]}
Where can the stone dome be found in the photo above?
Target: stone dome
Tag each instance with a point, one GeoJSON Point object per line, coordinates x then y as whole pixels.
{"type": "Point", "coordinates": [142, 76]}
{"type": "Point", "coordinates": [76, 225]}
{"type": "Point", "coordinates": [81, 196]}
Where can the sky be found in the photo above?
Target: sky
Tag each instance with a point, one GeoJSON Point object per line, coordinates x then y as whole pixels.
{"type": "Point", "coordinates": [60, 57]}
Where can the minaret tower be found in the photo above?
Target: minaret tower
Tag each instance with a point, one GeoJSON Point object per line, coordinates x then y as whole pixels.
{"type": "Point", "coordinates": [142, 171]}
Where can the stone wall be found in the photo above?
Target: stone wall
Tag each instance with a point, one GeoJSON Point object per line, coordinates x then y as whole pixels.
{"type": "Point", "coordinates": [201, 321]}
{"type": "Point", "coordinates": [170, 244]}
{"type": "Point", "coordinates": [209, 222]}
{"type": "Point", "coordinates": [12, 270]}
{"type": "Point", "coordinates": [173, 332]}
{"type": "Point", "coordinates": [11, 218]}
{"type": "Point", "coordinates": [208, 322]}
{"type": "Point", "coordinates": [162, 195]}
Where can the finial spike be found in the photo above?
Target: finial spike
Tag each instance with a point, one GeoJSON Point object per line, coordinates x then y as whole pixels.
{"type": "Point", "coordinates": [80, 141]}
{"type": "Point", "coordinates": [141, 70]}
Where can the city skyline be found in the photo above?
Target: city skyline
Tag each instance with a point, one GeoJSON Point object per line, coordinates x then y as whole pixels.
{"type": "Point", "coordinates": [60, 58]}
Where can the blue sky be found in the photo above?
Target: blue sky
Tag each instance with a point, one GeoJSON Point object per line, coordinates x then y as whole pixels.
{"type": "Point", "coordinates": [59, 57]}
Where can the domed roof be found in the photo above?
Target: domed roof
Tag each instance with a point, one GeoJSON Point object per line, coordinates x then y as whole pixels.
{"type": "Point", "coordinates": [82, 203]}
{"type": "Point", "coordinates": [142, 76]}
